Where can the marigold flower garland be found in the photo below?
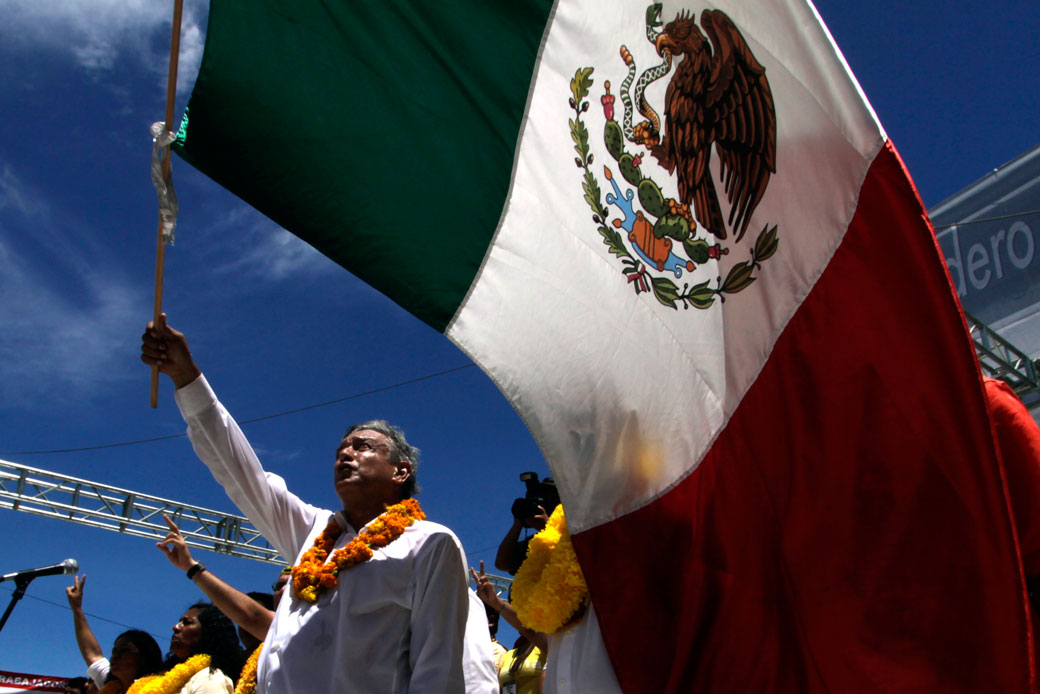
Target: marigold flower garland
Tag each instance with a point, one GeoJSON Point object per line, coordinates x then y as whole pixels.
{"type": "Point", "coordinates": [549, 586]}
{"type": "Point", "coordinates": [313, 575]}
{"type": "Point", "coordinates": [247, 680]}
{"type": "Point", "coordinates": [173, 680]}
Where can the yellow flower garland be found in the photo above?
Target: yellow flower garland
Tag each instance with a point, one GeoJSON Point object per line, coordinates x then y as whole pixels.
{"type": "Point", "coordinates": [313, 575]}
{"type": "Point", "coordinates": [549, 586]}
{"type": "Point", "coordinates": [173, 680]}
{"type": "Point", "coordinates": [247, 680]}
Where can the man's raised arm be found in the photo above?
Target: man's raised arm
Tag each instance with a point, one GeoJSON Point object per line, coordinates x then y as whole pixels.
{"type": "Point", "coordinates": [281, 516]}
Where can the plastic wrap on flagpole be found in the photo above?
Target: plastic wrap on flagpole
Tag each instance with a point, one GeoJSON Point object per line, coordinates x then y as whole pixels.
{"type": "Point", "coordinates": [161, 140]}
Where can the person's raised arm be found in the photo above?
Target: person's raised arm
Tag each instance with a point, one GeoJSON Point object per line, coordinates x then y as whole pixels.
{"type": "Point", "coordinates": [486, 592]}
{"type": "Point", "coordinates": [88, 644]}
{"type": "Point", "coordinates": [239, 607]}
{"type": "Point", "coordinates": [166, 348]}
{"type": "Point", "coordinates": [279, 515]}
{"type": "Point", "coordinates": [510, 552]}
{"type": "Point", "coordinates": [507, 548]}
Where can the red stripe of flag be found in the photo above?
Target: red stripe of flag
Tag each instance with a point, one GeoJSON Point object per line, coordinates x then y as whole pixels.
{"type": "Point", "coordinates": [849, 530]}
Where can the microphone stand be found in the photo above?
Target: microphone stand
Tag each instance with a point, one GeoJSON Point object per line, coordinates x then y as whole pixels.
{"type": "Point", "coordinates": [20, 584]}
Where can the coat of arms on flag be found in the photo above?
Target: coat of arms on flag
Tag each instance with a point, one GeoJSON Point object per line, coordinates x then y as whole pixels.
{"type": "Point", "coordinates": [718, 98]}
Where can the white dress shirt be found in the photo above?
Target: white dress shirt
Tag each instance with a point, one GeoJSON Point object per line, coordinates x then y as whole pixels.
{"type": "Point", "coordinates": [393, 625]}
{"type": "Point", "coordinates": [577, 661]}
{"type": "Point", "coordinates": [479, 663]}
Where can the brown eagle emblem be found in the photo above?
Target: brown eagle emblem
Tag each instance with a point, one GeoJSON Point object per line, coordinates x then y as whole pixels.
{"type": "Point", "coordinates": [718, 95]}
{"type": "Point", "coordinates": [676, 248]}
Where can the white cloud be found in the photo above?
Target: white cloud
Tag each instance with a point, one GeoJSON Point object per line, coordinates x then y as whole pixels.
{"type": "Point", "coordinates": [53, 343]}
{"type": "Point", "coordinates": [98, 33]}
{"type": "Point", "coordinates": [264, 250]}
{"type": "Point", "coordinates": [68, 313]}
{"type": "Point", "coordinates": [14, 197]}
{"type": "Point", "coordinates": [193, 40]}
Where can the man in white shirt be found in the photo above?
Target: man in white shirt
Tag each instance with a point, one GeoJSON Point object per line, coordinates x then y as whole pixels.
{"type": "Point", "coordinates": [392, 623]}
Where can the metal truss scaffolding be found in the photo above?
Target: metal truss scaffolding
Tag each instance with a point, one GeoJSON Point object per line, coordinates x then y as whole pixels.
{"type": "Point", "coordinates": [1000, 359]}
{"type": "Point", "coordinates": [61, 497]}
{"type": "Point", "coordinates": [53, 495]}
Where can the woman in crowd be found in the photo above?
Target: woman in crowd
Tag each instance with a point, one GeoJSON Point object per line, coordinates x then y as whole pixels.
{"type": "Point", "coordinates": [134, 653]}
{"type": "Point", "coordinates": [550, 598]}
{"type": "Point", "coordinates": [522, 669]}
{"type": "Point", "coordinates": [205, 656]}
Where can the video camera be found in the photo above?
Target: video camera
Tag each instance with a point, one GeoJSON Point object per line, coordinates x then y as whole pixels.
{"type": "Point", "coordinates": [542, 494]}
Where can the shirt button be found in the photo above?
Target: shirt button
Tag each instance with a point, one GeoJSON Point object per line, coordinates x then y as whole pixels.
{"type": "Point", "coordinates": [274, 648]}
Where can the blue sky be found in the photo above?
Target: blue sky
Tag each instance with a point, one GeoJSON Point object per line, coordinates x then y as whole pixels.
{"type": "Point", "coordinates": [274, 324]}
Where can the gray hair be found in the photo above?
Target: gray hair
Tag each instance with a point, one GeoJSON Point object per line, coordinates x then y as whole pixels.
{"type": "Point", "coordinates": [400, 450]}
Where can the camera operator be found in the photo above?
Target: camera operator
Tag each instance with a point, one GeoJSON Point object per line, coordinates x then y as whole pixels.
{"type": "Point", "coordinates": [529, 511]}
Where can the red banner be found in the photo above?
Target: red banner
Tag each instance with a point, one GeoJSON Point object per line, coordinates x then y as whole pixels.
{"type": "Point", "coordinates": [20, 682]}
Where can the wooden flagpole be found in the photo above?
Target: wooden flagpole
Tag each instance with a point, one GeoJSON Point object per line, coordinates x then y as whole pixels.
{"type": "Point", "coordinates": [160, 253]}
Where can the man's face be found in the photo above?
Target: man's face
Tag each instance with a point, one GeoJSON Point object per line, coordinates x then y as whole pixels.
{"type": "Point", "coordinates": [363, 469]}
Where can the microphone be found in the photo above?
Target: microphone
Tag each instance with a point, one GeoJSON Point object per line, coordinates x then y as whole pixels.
{"type": "Point", "coordinates": [69, 566]}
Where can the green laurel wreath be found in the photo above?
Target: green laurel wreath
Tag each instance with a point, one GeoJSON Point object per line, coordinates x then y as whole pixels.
{"type": "Point", "coordinates": [702, 295]}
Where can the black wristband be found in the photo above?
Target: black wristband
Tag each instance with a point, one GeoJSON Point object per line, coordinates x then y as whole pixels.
{"type": "Point", "coordinates": [196, 568]}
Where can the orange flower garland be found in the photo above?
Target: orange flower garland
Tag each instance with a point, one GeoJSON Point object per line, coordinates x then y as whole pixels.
{"type": "Point", "coordinates": [313, 575]}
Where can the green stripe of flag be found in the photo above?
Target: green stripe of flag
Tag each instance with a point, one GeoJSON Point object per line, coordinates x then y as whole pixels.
{"type": "Point", "coordinates": [380, 133]}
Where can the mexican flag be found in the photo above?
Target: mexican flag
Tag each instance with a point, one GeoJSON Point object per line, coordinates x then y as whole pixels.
{"type": "Point", "coordinates": [680, 243]}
